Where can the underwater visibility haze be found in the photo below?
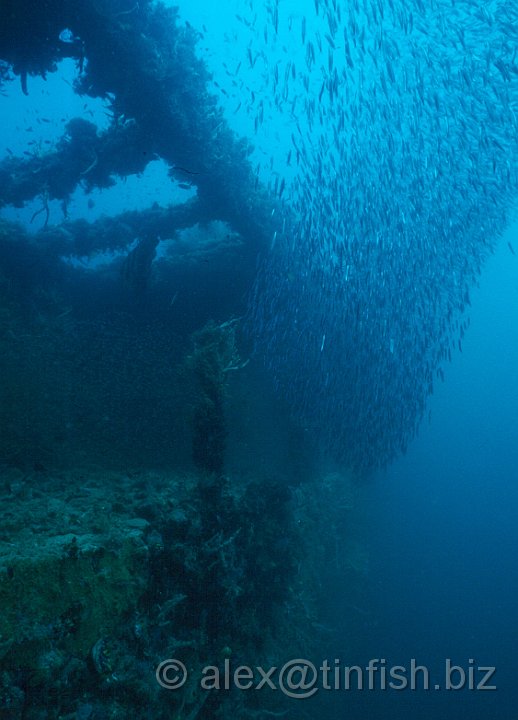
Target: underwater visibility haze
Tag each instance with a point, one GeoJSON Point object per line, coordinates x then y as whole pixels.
{"type": "Point", "coordinates": [258, 359]}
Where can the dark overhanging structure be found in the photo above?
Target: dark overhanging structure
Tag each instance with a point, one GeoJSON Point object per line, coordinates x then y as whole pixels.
{"type": "Point", "coordinates": [131, 319]}
{"type": "Point", "coordinates": [137, 56]}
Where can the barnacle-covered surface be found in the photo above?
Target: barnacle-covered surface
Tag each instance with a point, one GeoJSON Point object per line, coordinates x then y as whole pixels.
{"type": "Point", "coordinates": [60, 589]}
{"type": "Point", "coordinates": [148, 569]}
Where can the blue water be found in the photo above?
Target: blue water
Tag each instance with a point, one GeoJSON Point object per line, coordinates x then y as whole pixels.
{"type": "Point", "coordinates": [442, 524]}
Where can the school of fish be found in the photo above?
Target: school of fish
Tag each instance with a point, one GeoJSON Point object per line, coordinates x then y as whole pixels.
{"type": "Point", "coordinates": [398, 180]}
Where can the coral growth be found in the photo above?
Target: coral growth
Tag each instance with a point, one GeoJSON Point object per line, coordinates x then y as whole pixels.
{"type": "Point", "coordinates": [214, 355]}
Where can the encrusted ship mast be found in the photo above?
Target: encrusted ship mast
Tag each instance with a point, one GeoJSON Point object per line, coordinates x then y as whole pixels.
{"type": "Point", "coordinates": [139, 58]}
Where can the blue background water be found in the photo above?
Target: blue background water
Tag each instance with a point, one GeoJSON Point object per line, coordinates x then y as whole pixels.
{"type": "Point", "coordinates": [442, 522]}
